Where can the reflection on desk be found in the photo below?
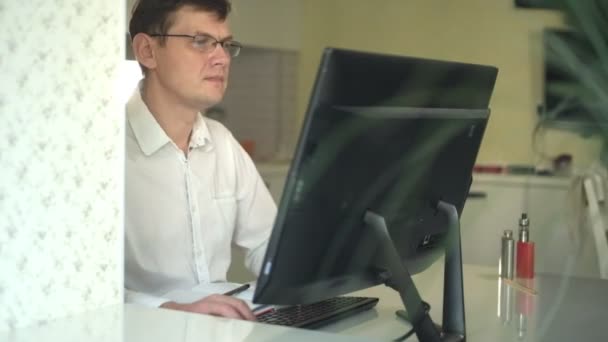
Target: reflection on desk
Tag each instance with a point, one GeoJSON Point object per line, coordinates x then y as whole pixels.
{"type": "Point", "coordinates": [565, 308]}
{"type": "Point", "coordinates": [131, 323]}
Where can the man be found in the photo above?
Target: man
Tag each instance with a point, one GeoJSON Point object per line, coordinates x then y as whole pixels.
{"type": "Point", "coordinates": [191, 190]}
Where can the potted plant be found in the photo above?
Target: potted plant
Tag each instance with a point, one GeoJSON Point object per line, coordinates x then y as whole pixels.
{"type": "Point", "coordinates": [586, 63]}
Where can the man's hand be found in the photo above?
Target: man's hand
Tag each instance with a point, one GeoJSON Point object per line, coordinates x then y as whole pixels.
{"type": "Point", "coordinates": [217, 305]}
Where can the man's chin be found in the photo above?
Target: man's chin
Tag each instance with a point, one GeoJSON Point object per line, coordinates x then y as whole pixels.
{"type": "Point", "coordinates": [208, 102]}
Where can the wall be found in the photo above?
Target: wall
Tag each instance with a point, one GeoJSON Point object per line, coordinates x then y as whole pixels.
{"type": "Point", "coordinates": [61, 151]}
{"type": "Point", "coordinates": [267, 23]}
{"type": "Point", "coordinates": [475, 31]}
{"type": "Point", "coordinates": [259, 104]}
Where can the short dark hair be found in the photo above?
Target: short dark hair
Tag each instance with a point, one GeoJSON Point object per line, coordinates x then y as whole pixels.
{"type": "Point", "coordinates": [156, 16]}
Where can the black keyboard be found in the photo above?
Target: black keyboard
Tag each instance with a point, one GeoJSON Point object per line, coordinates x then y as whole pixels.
{"type": "Point", "coordinates": [318, 314]}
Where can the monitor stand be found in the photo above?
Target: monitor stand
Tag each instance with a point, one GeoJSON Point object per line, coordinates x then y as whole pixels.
{"type": "Point", "coordinates": [399, 279]}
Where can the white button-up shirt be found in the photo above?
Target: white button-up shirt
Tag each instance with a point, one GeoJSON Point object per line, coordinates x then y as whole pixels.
{"type": "Point", "coordinates": [183, 212]}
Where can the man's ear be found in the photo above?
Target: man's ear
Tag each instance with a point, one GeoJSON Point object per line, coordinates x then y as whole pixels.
{"type": "Point", "coordinates": [143, 50]}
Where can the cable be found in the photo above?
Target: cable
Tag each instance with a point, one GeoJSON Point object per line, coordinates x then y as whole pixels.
{"type": "Point", "coordinates": [405, 336]}
{"type": "Point", "coordinates": [409, 333]}
{"type": "Point", "coordinates": [538, 143]}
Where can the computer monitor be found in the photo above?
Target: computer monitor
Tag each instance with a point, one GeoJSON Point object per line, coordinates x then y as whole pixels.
{"type": "Point", "coordinates": [380, 175]}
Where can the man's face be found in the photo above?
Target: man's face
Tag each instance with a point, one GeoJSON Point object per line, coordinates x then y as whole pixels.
{"type": "Point", "coordinates": [194, 78]}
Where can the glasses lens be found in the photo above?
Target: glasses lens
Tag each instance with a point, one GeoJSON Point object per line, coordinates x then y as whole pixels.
{"type": "Point", "coordinates": [204, 43]}
{"type": "Point", "coordinates": [233, 48]}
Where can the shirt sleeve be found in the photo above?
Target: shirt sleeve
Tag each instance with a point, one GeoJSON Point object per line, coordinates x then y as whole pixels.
{"type": "Point", "coordinates": [143, 299]}
{"type": "Point", "coordinates": [256, 211]}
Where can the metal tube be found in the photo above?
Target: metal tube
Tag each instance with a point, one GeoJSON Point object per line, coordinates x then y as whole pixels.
{"type": "Point", "coordinates": [507, 255]}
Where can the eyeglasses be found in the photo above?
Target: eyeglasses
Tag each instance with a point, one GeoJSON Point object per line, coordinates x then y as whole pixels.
{"type": "Point", "coordinates": [206, 43]}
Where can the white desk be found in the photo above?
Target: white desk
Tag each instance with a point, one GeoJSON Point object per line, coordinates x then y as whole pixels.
{"type": "Point", "coordinates": [565, 309]}
{"type": "Point", "coordinates": [131, 323]}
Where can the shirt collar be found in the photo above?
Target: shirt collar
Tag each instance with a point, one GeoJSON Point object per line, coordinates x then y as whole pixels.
{"type": "Point", "coordinates": [200, 133]}
{"type": "Point", "coordinates": [149, 134]}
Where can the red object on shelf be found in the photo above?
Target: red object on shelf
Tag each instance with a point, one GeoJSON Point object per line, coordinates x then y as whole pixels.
{"type": "Point", "coordinates": [249, 146]}
{"type": "Point", "coordinates": [488, 169]}
{"type": "Point", "coordinates": [524, 264]}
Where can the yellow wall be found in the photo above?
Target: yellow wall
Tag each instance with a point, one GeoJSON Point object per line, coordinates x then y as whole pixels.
{"type": "Point", "coordinates": [267, 23]}
{"type": "Point", "coordinates": [477, 31]}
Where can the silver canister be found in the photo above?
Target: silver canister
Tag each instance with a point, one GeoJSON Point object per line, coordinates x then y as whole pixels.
{"type": "Point", "coordinates": [507, 254]}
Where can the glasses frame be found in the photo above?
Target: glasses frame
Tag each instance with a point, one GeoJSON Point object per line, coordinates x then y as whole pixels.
{"type": "Point", "coordinates": [225, 44]}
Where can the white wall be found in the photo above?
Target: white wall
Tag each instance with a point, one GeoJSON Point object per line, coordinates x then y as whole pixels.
{"type": "Point", "coordinates": [61, 156]}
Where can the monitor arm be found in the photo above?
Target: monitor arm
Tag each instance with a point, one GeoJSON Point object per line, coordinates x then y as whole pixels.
{"type": "Point", "coordinates": [399, 278]}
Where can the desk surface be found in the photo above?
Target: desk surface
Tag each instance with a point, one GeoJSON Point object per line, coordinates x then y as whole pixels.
{"type": "Point", "coordinates": [565, 309]}
{"type": "Point", "coordinates": [130, 323]}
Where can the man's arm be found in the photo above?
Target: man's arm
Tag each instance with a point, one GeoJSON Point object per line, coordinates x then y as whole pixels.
{"type": "Point", "coordinates": [217, 305]}
{"type": "Point", "coordinates": [144, 299]}
{"type": "Point", "coordinates": [256, 211]}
